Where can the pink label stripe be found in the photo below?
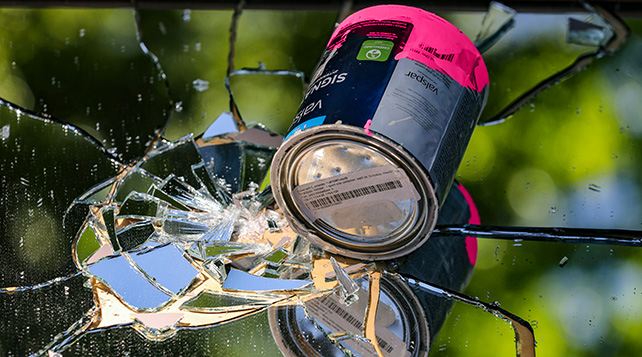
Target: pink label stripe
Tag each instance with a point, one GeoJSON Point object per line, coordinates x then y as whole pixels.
{"type": "Point", "coordinates": [433, 41]}
{"type": "Point", "coordinates": [471, 242]}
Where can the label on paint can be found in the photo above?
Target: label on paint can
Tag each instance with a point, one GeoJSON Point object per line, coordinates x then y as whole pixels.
{"type": "Point", "coordinates": [341, 318]}
{"type": "Point", "coordinates": [366, 197]}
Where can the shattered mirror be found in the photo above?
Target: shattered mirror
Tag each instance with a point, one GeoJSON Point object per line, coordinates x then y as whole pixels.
{"type": "Point", "coordinates": [137, 213]}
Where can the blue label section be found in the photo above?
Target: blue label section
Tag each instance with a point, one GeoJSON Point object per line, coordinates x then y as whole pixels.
{"type": "Point", "coordinates": [345, 88]}
{"type": "Point", "coordinates": [306, 124]}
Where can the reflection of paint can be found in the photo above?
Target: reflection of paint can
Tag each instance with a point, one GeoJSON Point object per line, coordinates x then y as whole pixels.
{"type": "Point", "coordinates": [444, 261]}
{"type": "Point", "coordinates": [380, 133]}
{"type": "Point", "coordinates": [401, 325]}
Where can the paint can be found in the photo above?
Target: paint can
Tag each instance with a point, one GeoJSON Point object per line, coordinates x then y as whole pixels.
{"type": "Point", "coordinates": [383, 126]}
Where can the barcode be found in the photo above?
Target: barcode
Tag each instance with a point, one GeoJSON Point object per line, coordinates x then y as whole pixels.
{"type": "Point", "coordinates": [433, 51]}
{"type": "Point", "coordinates": [353, 321]}
{"type": "Point", "coordinates": [337, 198]}
{"type": "Point", "coordinates": [343, 313]}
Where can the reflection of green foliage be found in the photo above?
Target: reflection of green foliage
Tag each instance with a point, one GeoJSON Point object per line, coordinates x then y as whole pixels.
{"type": "Point", "coordinates": [87, 244]}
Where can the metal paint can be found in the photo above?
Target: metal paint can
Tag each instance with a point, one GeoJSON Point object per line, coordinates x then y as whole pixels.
{"type": "Point", "coordinates": [375, 145]}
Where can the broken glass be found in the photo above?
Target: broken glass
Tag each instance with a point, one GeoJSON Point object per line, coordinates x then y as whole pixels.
{"type": "Point", "coordinates": [91, 234]}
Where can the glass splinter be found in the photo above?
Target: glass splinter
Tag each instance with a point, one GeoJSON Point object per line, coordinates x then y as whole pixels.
{"type": "Point", "coordinates": [348, 288]}
{"type": "Point", "coordinates": [587, 34]}
{"type": "Point", "coordinates": [499, 19]}
{"type": "Point", "coordinates": [240, 280]}
{"type": "Point", "coordinates": [224, 124]}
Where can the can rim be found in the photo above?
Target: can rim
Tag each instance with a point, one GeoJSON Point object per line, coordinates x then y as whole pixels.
{"type": "Point", "coordinates": [397, 243]}
{"type": "Point", "coordinates": [287, 335]}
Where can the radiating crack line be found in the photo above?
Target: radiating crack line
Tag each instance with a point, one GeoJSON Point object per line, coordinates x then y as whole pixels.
{"type": "Point", "coordinates": [620, 237]}
{"type": "Point", "coordinates": [620, 33]}
{"type": "Point", "coordinates": [139, 36]}
{"type": "Point", "coordinates": [19, 289]}
{"type": "Point", "coordinates": [524, 336]}
{"type": "Point", "coordinates": [65, 339]}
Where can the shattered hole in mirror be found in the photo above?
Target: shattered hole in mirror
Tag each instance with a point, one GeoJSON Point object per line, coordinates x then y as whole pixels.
{"type": "Point", "coordinates": [137, 215]}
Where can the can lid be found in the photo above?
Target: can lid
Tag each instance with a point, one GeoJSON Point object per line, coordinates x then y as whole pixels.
{"type": "Point", "coordinates": [353, 194]}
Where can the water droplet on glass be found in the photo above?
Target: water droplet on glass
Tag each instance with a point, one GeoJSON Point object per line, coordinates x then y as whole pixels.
{"type": "Point", "coordinates": [594, 187]}
{"type": "Point", "coordinates": [6, 131]}
{"type": "Point", "coordinates": [140, 97]}
{"type": "Point", "coordinates": [563, 261]}
{"type": "Point", "coordinates": [187, 15]}
{"type": "Point", "coordinates": [553, 210]}
{"type": "Point", "coordinates": [197, 46]}
{"type": "Point", "coordinates": [200, 85]}
{"type": "Point", "coordinates": [81, 33]}
{"type": "Point", "coordinates": [178, 106]}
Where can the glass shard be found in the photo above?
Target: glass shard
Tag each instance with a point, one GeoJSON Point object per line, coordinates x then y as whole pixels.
{"type": "Point", "coordinates": [210, 301]}
{"type": "Point", "coordinates": [139, 206]}
{"type": "Point", "coordinates": [242, 281]}
{"type": "Point", "coordinates": [222, 232]}
{"type": "Point", "coordinates": [175, 158]}
{"type": "Point", "coordinates": [135, 179]}
{"type": "Point", "coordinates": [166, 265]}
{"type": "Point", "coordinates": [134, 235]}
{"type": "Point", "coordinates": [347, 287]}
{"type": "Point", "coordinates": [87, 244]}
{"type": "Point", "coordinates": [587, 34]}
{"type": "Point", "coordinates": [127, 282]}
{"type": "Point", "coordinates": [224, 124]}
{"type": "Point", "coordinates": [283, 87]}
{"type": "Point", "coordinates": [223, 162]}
{"type": "Point", "coordinates": [498, 20]}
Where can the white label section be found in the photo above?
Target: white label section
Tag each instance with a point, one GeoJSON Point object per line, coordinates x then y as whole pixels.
{"type": "Point", "coordinates": [338, 317]}
{"type": "Point", "coordinates": [384, 183]}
